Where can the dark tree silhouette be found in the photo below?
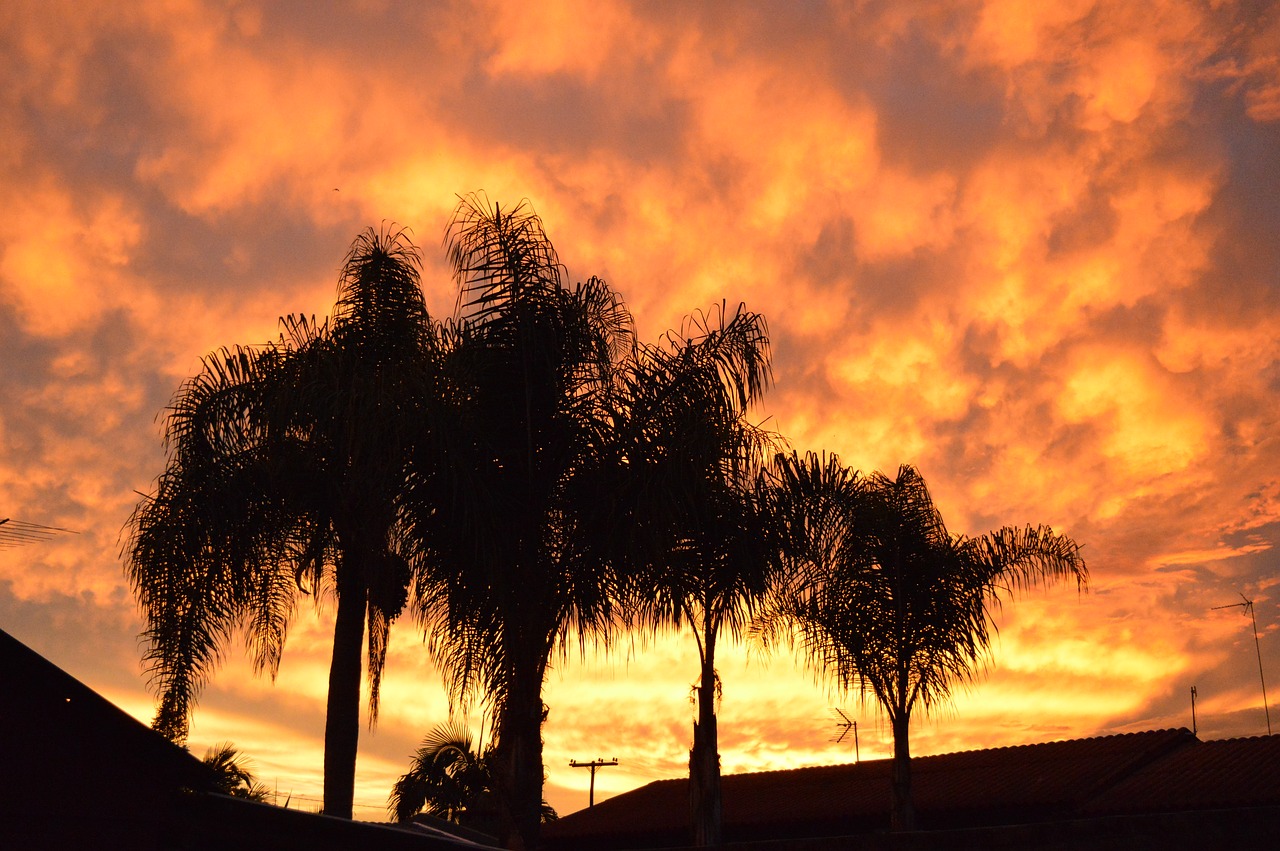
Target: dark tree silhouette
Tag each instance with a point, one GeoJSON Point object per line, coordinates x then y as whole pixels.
{"type": "Point", "coordinates": [233, 772]}
{"type": "Point", "coordinates": [505, 501]}
{"type": "Point", "coordinates": [885, 599]}
{"type": "Point", "coordinates": [284, 466]}
{"type": "Point", "coordinates": [451, 778]}
{"type": "Point", "coordinates": [694, 539]}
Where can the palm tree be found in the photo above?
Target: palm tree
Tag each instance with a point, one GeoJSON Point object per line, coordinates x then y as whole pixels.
{"type": "Point", "coordinates": [887, 600]}
{"type": "Point", "coordinates": [284, 466]}
{"type": "Point", "coordinates": [504, 503]}
{"type": "Point", "coordinates": [450, 779]}
{"type": "Point", "coordinates": [695, 545]}
{"type": "Point", "coordinates": [234, 776]}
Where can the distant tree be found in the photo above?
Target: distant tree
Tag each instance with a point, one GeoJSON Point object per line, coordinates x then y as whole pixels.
{"type": "Point", "coordinates": [234, 776]}
{"type": "Point", "coordinates": [450, 778]}
{"type": "Point", "coordinates": [886, 600]}
{"type": "Point", "coordinates": [505, 503]}
{"type": "Point", "coordinates": [694, 534]}
{"type": "Point", "coordinates": [285, 464]}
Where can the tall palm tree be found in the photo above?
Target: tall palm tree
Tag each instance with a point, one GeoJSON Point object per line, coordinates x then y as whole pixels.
{"type": "Point", "coordinates": [284, 466]}
{"type": "Point", "coordinates": [887, 600]}
{"type": "Point", "coordinates": [691, 498]}
{"type": "Point", "coordinates": [504, 503]}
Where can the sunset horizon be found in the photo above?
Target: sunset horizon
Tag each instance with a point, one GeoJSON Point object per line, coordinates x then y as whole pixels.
{"type": "Point", "coordinates": [1033, 252]}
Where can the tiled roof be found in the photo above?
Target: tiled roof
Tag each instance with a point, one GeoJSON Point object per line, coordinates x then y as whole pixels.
{"type": "Point", "coordinates": [1130, 773]}
{"type": "Point", "coordinates": [1050, 778]}
{"type": "Point", "coordinates": [1209, 775]}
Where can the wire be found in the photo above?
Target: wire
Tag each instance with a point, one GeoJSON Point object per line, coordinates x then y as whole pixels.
{"type": "Point", "coordinates": [16, 533]}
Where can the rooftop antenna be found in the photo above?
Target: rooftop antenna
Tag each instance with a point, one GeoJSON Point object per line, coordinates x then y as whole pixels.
{"type": "Point", "coordinates": [844, 724]}
{"type": "Point", "coordinates": [1247, 605]}
{"type": "Point", "coordinates": [1193, 711]}
{"type": "Point", "coordinates": [593, 765]}
{"type": "Point", "coordinates": [16, 533]}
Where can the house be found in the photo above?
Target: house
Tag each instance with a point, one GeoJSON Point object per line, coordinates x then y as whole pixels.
{"type": "Point", "coordinates": [1160, 789]}
{"type": "Point", "coordinates": [76, 771]}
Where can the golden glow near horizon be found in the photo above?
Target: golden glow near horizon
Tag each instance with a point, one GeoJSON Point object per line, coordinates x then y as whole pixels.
{"type": "Point", "coordinates": [1029, 248]}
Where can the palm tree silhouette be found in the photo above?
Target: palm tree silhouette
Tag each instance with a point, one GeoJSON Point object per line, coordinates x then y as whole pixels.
{"type": "Point", "coordinates": [235, 778]}
{"type": "Point", "coordinates": [284, 466]}
{"type": "Point", "coordinates": [505, 502]}
{"type": "Point", "coordinates": [886, 599]}
{"type": "Point", "coordinates": [695, 545]}
{"type": "Point", "coordinates": [450, 779]}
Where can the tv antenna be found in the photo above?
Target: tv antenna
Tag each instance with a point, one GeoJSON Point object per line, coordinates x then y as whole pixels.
{"type": "Point", "coordinates": [845, 725]}
{"type": "Point", "coordinates": [593, 765]}
{"type": "Point", "coordinates": [16, 533]}
{"type": "Point", "coordinates": [1247, 605]}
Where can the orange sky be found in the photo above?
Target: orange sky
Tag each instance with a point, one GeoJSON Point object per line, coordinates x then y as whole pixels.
{"type": "Point", "coordinates": [1030, 248]}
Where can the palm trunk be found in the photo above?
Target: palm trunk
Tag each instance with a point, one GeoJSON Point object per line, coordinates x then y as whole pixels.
{"type": "Point", "coordinates": [519, 784]}
{"type": "Point", "coordinates": [904, 811]}
{"type": "Point", "coordinates": [342, 713]}
{"type": "Point", "coordinates": [704, 758]}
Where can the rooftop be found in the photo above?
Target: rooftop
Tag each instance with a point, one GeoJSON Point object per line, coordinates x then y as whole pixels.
{"type": "Point", "coordinates": [1161, 771]}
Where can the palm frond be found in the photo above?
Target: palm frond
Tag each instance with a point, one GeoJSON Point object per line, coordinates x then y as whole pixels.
{"type": "Point", "coordinates": [500, 258]}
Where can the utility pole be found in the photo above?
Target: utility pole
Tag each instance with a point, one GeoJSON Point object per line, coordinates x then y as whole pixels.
{"type": "Point", "coordinates": [1247, 605]}
{"type": "Point", "coordinates": [593, 765]}
{"type": "Point", "coordinates": [1193, 711]}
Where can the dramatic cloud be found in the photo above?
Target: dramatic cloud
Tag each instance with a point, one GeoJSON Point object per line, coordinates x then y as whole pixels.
{"type": "Point", "coordinates": [1030, 248]}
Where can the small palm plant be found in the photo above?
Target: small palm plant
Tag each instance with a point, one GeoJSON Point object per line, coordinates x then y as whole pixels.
{"type": "Point", "coordinates": [451, 778]}
{"type": "Point", "coordinates": [234, 775]}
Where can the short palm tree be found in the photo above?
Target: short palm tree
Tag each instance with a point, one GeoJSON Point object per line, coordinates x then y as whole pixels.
{"type": "Point", "coordinates": [449, 778]}
{"type": "Point", "coordinates": [693, 537]}
{"type": "Point", "coordinates": [885, 599]}
{"type": "Point", "coordinates": [234, 776]}
{"type": "Point", "coordinates": [284, 466]}
{"type": "Point", "coordinates": [505, 500]}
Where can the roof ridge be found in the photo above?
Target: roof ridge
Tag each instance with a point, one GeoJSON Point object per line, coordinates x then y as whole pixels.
{"type": "Point", "coordinates": [1139, 733]}
{"type": "Point", "coordinates": [1241, 738]}
{"type": "Point", "coordinates": [1168, 732]}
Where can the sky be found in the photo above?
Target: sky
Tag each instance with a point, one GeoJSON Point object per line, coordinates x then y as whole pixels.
{"type": "Point", "coordinates": [1030, 248]}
